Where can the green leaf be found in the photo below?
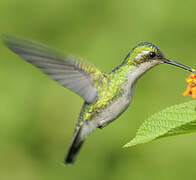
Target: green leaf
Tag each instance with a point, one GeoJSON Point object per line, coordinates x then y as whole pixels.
{"type": "Point", "coordinates": [175, 120]}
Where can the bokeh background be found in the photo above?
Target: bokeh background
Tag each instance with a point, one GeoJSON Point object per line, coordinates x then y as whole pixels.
{"type": "Point", "coordinates": [37, 116]}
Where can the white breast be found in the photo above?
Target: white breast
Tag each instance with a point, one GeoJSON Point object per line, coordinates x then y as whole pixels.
{"type": "Point", "coordinates": [115, 108]}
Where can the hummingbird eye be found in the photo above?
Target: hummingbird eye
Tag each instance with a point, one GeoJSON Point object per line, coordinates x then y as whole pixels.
{"type": "Point", "coordinates": [152, 54]}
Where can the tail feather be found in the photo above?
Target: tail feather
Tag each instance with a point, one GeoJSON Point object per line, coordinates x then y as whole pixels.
{"type": "Point", "coordinates": [78, 139]}
{"type": "Point", "coordinates": [75, 146]}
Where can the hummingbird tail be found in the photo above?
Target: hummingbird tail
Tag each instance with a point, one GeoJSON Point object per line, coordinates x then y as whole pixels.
{"type": "Point", "coordinates": [75, 146]}
{"type": "Point", "coordinates": [78, 139]}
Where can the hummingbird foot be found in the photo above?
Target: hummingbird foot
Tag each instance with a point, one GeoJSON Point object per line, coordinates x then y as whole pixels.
{"type": "Point", "coordinates": [101, 126]}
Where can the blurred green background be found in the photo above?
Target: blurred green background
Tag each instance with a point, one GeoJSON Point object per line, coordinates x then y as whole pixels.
{"type": "Point", "coordinates": [37, 116]}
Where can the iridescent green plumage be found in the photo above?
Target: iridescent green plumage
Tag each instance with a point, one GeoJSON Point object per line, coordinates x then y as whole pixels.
{"type": "Point", "coordinates": [110, 90]}
{"type": "Point", "coordinates": [106, 95]}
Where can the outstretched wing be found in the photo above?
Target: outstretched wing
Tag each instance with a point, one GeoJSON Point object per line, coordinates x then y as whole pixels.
{"type": "Point", "coordinates": [69, 71]}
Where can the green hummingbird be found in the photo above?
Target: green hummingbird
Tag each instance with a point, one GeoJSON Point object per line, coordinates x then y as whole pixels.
{"type": "Point", "coordinates": [106, 95]}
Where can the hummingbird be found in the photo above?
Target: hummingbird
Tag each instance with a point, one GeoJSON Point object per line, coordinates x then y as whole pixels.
{"type": "Point", "coordinates": [106, 95]}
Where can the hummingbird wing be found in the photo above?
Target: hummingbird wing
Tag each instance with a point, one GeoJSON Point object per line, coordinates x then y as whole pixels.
{"type": "Point", "coordinates": [71, 72]}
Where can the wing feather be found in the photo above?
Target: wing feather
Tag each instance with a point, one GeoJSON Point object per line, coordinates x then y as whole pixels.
{"type": "Point", "coordinates": [69, 71]}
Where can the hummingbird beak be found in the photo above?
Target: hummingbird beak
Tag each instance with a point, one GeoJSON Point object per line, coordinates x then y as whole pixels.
{"type": "Point", "coordinates": [178, 65]}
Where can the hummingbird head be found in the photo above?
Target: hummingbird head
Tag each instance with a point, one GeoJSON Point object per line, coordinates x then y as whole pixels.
{"type": "Point", "coordinates": [148, 53]}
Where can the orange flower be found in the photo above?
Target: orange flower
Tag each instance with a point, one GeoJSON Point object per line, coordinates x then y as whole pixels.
{"type": "Point", "coordinates": [191, 87]}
